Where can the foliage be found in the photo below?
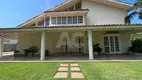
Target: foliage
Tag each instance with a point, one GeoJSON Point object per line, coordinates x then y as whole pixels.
{"type": "Point", "coordinates": [27, 51]}
{"type": "Point", "coordinates": [136, 11]}
{"type": "Point", "coordinates": [136, 46]}
{"type": "Point", "coordinates": [32, 50]}
{"type": "Point", "coordinates": [97, 48]}
{"type": "Point", "coordinates": [136, 36]}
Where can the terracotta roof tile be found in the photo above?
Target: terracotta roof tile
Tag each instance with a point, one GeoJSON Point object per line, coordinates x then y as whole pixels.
{"type": "Point", "coordinates": [73, 26]}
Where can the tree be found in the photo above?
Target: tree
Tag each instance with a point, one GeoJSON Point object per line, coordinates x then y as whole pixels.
{"type": "Point", "coordinates": [136, 11]}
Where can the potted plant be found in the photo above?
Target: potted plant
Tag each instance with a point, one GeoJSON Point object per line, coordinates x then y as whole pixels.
{"type": "Point", "coordinates": [47, 53]}
{"type": "Point", "coordinates": [27, 52]}
{"type": "Point", "coordinates": [33, 50]}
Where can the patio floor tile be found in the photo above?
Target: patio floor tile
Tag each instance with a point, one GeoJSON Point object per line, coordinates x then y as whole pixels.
{"type": "Point", "coordinates": [64, 65]}
{"type": "Point", "coordinates": [63, 69]}
{"type": "Point", "coordinates": [75, 69]}
{"type": "Point", "coordinates": [77, 75]}
{"type": "Point", "coordinates": [61, 75]}
{"type": "Point", "coordinates": [74, 65]}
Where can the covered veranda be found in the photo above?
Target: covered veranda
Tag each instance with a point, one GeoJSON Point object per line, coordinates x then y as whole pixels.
{"type": "Point", "coordinates": [87, 28]}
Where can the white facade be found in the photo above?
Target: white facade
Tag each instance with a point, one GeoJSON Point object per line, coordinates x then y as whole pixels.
{"type": "Point", "coordinates": [93, 13]}
{"type": "Point", "coordinates": [103, 14]}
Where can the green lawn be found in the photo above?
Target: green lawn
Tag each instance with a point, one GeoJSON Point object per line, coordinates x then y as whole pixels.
{"type": "Point", "coordinates": [92, 71]}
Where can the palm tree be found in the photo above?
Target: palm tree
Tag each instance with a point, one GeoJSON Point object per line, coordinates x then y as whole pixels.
{"type": "Point", "coordinates": [136, 11]}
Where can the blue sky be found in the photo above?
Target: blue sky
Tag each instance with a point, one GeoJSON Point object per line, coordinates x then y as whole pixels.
{"type": "Point", "coordinates": [15, 12]}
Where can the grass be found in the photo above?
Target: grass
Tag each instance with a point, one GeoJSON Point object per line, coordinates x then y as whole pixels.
{"type": "Point", "coordinates": [92, 71]}
{"type": "Point", "coordinates": [112, 71]}
{"type": "Point", "coordinates": [27, 71]}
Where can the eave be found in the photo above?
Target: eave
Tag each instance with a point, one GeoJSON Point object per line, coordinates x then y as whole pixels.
{"type": "Point", "coordinates": [113, 3]}
{"type": "Point", "coordinates": [107, 27]}
{"type": "Point", "coordinates": [74, 12]}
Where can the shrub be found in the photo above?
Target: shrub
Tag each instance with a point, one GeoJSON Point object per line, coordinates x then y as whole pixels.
{"type": "Point", "coordinates": [137, 45]}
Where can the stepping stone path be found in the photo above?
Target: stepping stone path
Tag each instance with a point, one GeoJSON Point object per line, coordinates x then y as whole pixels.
{"type": "Point", "coordinates": [64, 65]}
{"type": "Point", "coordinates": [74, 65]}
{"type": "Point", "coordinates": [75, 69]}
{"type": "Point", "coordinates": [61, 75]}
{"type": "Point", "coordinates": [69, 71]}
{"type": "Point", "coordinates": [77, 75]}
{"type": "Point", "coordinates": [62, 69]}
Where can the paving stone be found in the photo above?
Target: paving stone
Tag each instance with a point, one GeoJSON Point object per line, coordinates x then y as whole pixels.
{"type": "Point", "coordinates": [64, 65]}
{"type": "Point", "coordinates": [77, 75]}
{"type": "Point", "coordinates": [75, 69]}
{"type": "Point", "coordinates": [61, 75]}
{"type": "Point", "coordinates": [74, 65]}
{"type": "Point", "coordinates": [63, 69]}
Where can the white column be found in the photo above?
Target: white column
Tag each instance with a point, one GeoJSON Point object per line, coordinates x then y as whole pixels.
{"type": "Point", "coordinates": [50, 21]}
{"type": "Point", "coordinates": [42, 54]}
{"type": "Point", "coordinates": [84, 20]}
{"type": "Point", "coordinates": [1, 46]}
{"type": "Point", "coordinates": [90, 45]}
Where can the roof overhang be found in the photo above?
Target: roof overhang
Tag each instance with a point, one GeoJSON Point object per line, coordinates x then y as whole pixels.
{"type": "Point", "coordinates": [64, 13]}
{"type": "Point", "coordinates": [116, 4]}
{"type": "Point", "coordinates": [31, 20]}
{"type": "Point", "coordinates": [63, 5]}
{"type": "Point", "coordinates": [111, 27]}
{"type": "Point", "coordinates": [113, 3]}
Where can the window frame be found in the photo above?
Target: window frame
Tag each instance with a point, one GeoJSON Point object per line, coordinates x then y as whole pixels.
{"type": "Point", "coordinates": [67, 20]}
{"type": "Point", "coordinates": [119, 42]}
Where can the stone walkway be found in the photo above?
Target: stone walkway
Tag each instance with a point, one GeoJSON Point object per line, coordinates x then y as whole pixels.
{"type": "Point", "coordinates": [69, 71]}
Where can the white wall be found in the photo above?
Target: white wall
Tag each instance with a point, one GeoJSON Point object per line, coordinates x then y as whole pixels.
{"type": "Point", "coordinates": [27, 40]}
{"type": "Point", "coordinates": [101, 14]}
{"type": "Point", "coordinates": [125, 42]}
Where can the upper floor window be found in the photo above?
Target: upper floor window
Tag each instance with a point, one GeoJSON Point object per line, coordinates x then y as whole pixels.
{"type": "Point", "coordinates": [67, 20]}
{"type": "Point", "coordinates": [80, 19]}
{"type": "Point", "coordinates": [74, 19]}
{"type": "Point", "coordinates": [64, 20]}
{"type": "Point", "coordinates": [59, 20]}
{"type": "Point", "coordinates": [70, 21]}
{"type": "Point", "coordinates": [53, 20]}
{"type": "Point", "coordinates": [47, 21]}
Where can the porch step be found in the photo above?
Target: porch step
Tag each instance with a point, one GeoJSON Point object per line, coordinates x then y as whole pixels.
{"type": "Point", "coordinates": [67, 54]}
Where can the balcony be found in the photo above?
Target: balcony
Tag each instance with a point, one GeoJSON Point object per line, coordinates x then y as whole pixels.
{"type": "Point", "coordinates": [61, 18]}
{"type": "Point", "coordinates": [64, 18]}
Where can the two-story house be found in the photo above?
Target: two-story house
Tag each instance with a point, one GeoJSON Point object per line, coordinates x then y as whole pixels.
{"type": "Point", "coordinates": [76, 25]}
